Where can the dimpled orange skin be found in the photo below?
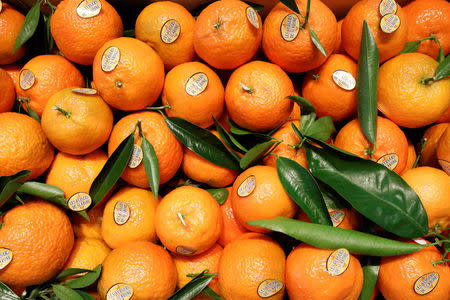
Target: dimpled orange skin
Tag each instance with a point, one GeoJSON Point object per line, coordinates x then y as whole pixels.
{"type": "Point", "coordinates": [445, 118]}
{"type": "Point", "coordinates": [398, 275]}
{"type": "Point", "coordinates": [79, 38]}
{"type": "Point", "coordinates": [339, 49]}
{"type": "Point", "coordinates": [224, 37]}
{"type": "Point", "coordinates": [13, 71]}
{"type": "Point", "coordinates": [443, 151]}
{"type": "Point", "coordinates": [267, 199]}
{"type": "Point", "coordinates": [328, 98]}
{"type": "Point", "coordinates": [150, 22]}
{"type": "Point", "coordinates": [11, 21]}
{"type": "Point", "coordinates": [404, 99]}
{"type": "Point", "coordinates": [433, 135]}
{"type": "Point", "coordinates": [246, 263]}
{"type": "Point", "coordinates": [265, 107]}
{"type": "Point", "coordinates": [389, 44]}
{"type": "Point", "coordinates": [8, 95]}
{"type": "Point", "coordinates": [197, 109]}
{"type": "Point", "coordinates": [390, 139]}
{"type": "Point", "coordinates": [41, 238]}
{"type": "Point", "coordinates": [92, 228]}
{"type": "Point", "coordinates": [411, 157]}
{"type": "Point", "coordinates": [201, 214]}
{"type": "Point", "coordinates": [132, 85]}
{"type": "Point", "coordinates": [146, 267]}
{"type": "Point", "coordinates": [23, 145]}
{"type": "Point", "coordinates": [140, 224]}
{"type": "Point", "coordinates": [300, 54]}
{"type": "Point", "coordinates": [307, 277]}
{"type": "Point", "coordinates": [86, 129]}
{"type": "Point", "coordinates": [168, 149]}
{"type": "Point", "coordinates": [352, 220]}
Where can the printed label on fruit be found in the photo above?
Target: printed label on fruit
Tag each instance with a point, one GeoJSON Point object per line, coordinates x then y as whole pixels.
{"type": "Point", "coordinates": [426, 283]}
{"type": "Point", "coordinates": [110, 59]}
{"type": "Point", "coordinates": [136, 157]}
{"type": "Point", "coordinates": [79, 201]}
{"type": "Point", "coordinates": [196, 84]}
{"type": "Point", "coordinates": [390, 23]}
{"type": "Point", "coordinates": [185, 250]}
{"type": "Point", "coordinates": [84, 91]}
{"type": "Point", "coordinates": [390, 161]}
{"type": "Point", "coordinates": [445, 165]}
{"type": "Point", "coordinates": [344, 80]}
{"type": "Point", "coordinates": [290, 26]}
{"type": "Point", "coordinates": [6, 256]}
{"type": "Point", "coordinates": [121, 213]}
{"type": "Point", "coordinates": [89, 8]}
{"type": "Point", "coordinates": [338, 261]}
{"type": "Point", "coordinates": [26, 79]}
{"type": "Point", "coordinates": [252, 16]}
{"type": "Point", "coordinates": [247, 186]}
{"type": "Point", "coordinates": [170, 31]}
{"type": "Point", "coordinates": [269, 287]}
{"type": "Point", "coordinates": [119, 291]}
{"type": "Point", "coordinates": [420, 241]}
{"type": "Point", "coordinates": [337, 216]}
{"type": "Point", "coordinates": [387, 7]}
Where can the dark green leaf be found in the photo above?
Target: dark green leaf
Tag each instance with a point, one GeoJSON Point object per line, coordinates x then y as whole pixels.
{"type": "Point", "coordinates": [70, 272]}
{"type": "Point", "coordinates": [255, 154]}
{"type": "Point", "coordinates": [237, 130]}
{"type": "Point", "coordinates": [305, 106]}
{"type": "Point", "coordinates": [291, 5]}
{"type": "Point", "coordinates": [443, 70]}
{"type": "Point", "coordinates": [48, 34]}
{"type": "Point", "coordinates": [229, 139]}
{"type": "Point", "coordinates": [86, 280]}
{"type": "Point", "coordinates": [316, 41]}
{"type": "Point", "coordinates": [85, 295]}
{"type": "Point", "coordinates": [10, 184]}
{"type": "Point", "coordinates": [32, 113]}
{"type": "Point", "coordinates": [202, 142]}
{"type": "Point", "coordinates": [151, 165]}
{"type": "Point", "coordinates": [321, 129]}
{"type": "Point", "coordinates": [48, 192]}
{"type": "Point", "coordinates": [220, 195]}
{"type": "Point", "coordinates": [65, 293]}
{"type": "Point", "coordinates": [366, 84]}
{"type": "Point", "coordinates": [300, 135]}
{"type": "Point", "coordinates": [332, 199]}
{"type": "Point", "coordinates": [210, 292]}
{"type": "Point", "coordinates": [29, 26]}
{"type": "Point", "coordinates": [129, 33]}
{"type": "Point", "coordinates": [303, 189]}
{"type": "Point", "coordinates": [256, 6]}
{"type": "Point", "coordinates": [6, 293]}
{"type": "Point", "coordinates": [370, 271]}
{"type": "Point", "coordinates": [329, 237]}
{"type": "Point", "coordinates": [411, 47]}
{"type": "Point", "coordinates": [440, 56]}
{"type": "Point", "coordinates": [372, 189]}
{"type": "Point", "coordinates": [112, 170]}
{"type": "Point", "coordinates": [193, 288]}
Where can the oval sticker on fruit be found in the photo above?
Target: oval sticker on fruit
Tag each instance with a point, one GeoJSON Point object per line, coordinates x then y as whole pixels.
{"type": "Point", "coordinates": [390, 161]}
{"type": "Point", "coordinates": [196, 84]}
{"type": "Point", "coordinates": [79, 201]}
{"type": "Point", "coordinates": [426, 283]}
{"type": "Point", "coordinates": [337, 216]}
{"type": "Point", "coordinates": [26, 79]}
{"type": "Point", "coordinates": [6, 256]}
{"type": "Point", "coordinates": [121, 213]}
{"type": "Point", "coordinates": [89, 8]}
{"type": "Point", "coordinates": [387, 7]}
{"type": "Point", "coordinates": [290, 26]}
{"type": "Point", "coordinates": [338, 261]}
{"type": "Point", "coordinates": [344, 80]}
{"type": "Point", "coordinates": [136, 157]}
{"type": "Point", "coordinates": [170, 31]}
{"type": "Point", "coordinates": [247, 186]}
{"type": "Point", "coordinates": [252, 16]}
{"type": "Point", "coordinates": [269, 287]}
{"type": "Point", "coordinates": [110, 59]}
{"type": "Point", "coordinates": [119, 291]}
{"type": "Point", "coordinates": [390, 23]}
{"type": "Point", "coordinates": [84, 91]}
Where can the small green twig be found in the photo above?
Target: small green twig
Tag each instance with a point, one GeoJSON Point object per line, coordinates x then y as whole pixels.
{"type": "Point", "coordinates": [65, 112]}
{"type": "Point", "coordinates": [423, 142]}
{"type": "Point", "coordinates": [158, 107]}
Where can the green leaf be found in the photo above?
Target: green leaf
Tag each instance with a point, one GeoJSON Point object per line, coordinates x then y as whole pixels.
{"type": "Point", "coordinates": [6, 293]}
{"type": "Point", "coordinates": [65, 293]}
{"type": "Point", "coordinates": [321, 129]}
{"type": "Point", "coordinates": [32, 113]}
{"type": "Point", "coordinates": [370, 271]}
{"type": "Point", "coordinates": [112, 170]}
{"type": "Point", "coordinates": [291, 5]}
{"type": "Point", "coordinates": [316, 41]}
{"type": "Point", "coordinates": [210, 292]}
{"type": "Point", "coordinates": [255, 154]}
{"type": "Point", "coordinates": [151, 165]}
{"type": "Point", "coordinates": [366, 85]}
{"type": "Point", "coordinates": [229, 139]}
{"type": "Point", "coordinates": [411, 47]}
{"type": "Point", "coordinates": [85, 295]}
{"type": "Point", "coordinates": [70, 272]}
{"type": "Point", "coordinates": [372, 189]}
{"type": "Point", "coordinates": [129, 33]}
{"type": "Point", "coordinates": [305, 106]}
{"type": "Point", "coordinates": [220, 195]}
{"type": "Point", "coordinates": [332, 199]}
{"type": "Point", "coordinates": [202, 142]}
{"type": "Point", "coordinates": [29, 26]}
{"type": "Point", "coordinates": [86, 280]}
{"type": "Point", "coordinates": [303, 189]}
{"type": "Point", "coordinates": [192, 288]}
{"type": "Point", "coordinates": [10, 184]}
{"type": "Point", "coordinates": [329, 237]}
{"type": "Point", "coordinates": [440, 56]}
{"type": "Point", "coordinates": [237, 130]}
{"type": "Point", "coordinates": [45, 191]}
{"type": "Point", "coordinates": [443, 70]}
{"type": "Point", "coordinates": [48, 34]}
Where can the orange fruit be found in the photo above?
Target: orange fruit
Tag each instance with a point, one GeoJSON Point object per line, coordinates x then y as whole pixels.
{"type": "Point", "coordinates": [252, 267]}
{"type": "Point", "coordinates": [142, 268]}
{"type": "Point", "coordinates": [10, 23]}
{"type": "Point", "coordinates": [188, 220]}
{"type": "Point", "coordinates": [227, 34]}
{"type": "Point", "coordinates": [390, 41]}
{"type": "Point", "coordinates": [129, 215]}
{"type": "Point", "coordinates": [332, 88]}
{"type": "Point", "coordinates": [296, 112]}
{"type": "Point", "coordinates": [318, 273]}
{"type": "Point", "coordinates": [13, 71]}
{"type": "Point", "coordinates": [255, 96]}
{"type": "Point", "coordinates": [168, 28]}
{"type": "Point", "coordinates": [23, 145]}
{"type": "Point", "coordinates": [258, 194]}
{"type": "Point", "coordinates": [232, 229]}
{"type": "Point", "coordinates": [445, 118]}
{"type": "Point", "coordinates": [8, 95]}
{"type": "Point", "coordinates": [443, 151]}
{"type": "Point", "coordinates": [412, 156]}
{"type": "Point", "coordinates": [77, 123]}
{"type": "Point", "coordinates": [425, 18]}
{"type": "Point", "coordinates": [415, 276]}
{"type": "Point", "coordinates": [196, 264]}
{"type": "Point", "coordinates": [167, 148]}
{"type": "Point", "coordinates": [92, 228]}
{"type": "Point", "coordinates": [81, 28]}
{"type": "Point", "coordinates": [194, 93]}
{"type": "Point", "coordinates": [432, 135]}
{"type": "Point", "coordinates": [347, 218]}
{"type": "Point", "coordinates": [339, 49]}
{"type": "Point", "coordinates": [43, 76]}
{"type": "Point", "coordinates": [287, 148]}
{"type": "Point", "coordinates": [404, 99]}
{"type": "Point", "coordinates": [391, 143]}
{"type": "Point", "coordinates": [433, 188]}
{"type": "Point", "coordinates": [40, 237]}
{"type": "Point", "coordinates": [289, 45]}
{"type": "Point", "coordinates": [122, 77]}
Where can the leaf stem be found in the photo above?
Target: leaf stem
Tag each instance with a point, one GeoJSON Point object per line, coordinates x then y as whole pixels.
{"type": "Point", "coordinates": [423, 142]}
{"type": "Point", "coordinates": [65, 112]}
{"type": "Point", "coordinates": [158, 107]}
{"type": "Point", "coordinates": [308, 5]}
{"type": "Point", "coordinates": [427, 80]}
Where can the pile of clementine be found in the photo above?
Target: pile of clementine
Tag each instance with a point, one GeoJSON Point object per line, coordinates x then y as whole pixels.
{"type": "Point", "coordinates": [227, 67]}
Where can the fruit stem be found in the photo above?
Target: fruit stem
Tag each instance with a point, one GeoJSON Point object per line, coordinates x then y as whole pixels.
{"type": "Point", "coordinates": [158, 107]}
{"type": "Point", "coordinates": [218, 24]}
{"type": "Point", "coordinates": [119, 83]}
{"type": "Point", "coordinates": [423, 142]}
{"type": "Point", "coordinates": [247, 89]}
{"type": "Point", "coordinates": [427, 81]}
{"type": "Point", "coordinates": [181, 217]}
{"type": "Point", "coordinates": [65, 112]}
